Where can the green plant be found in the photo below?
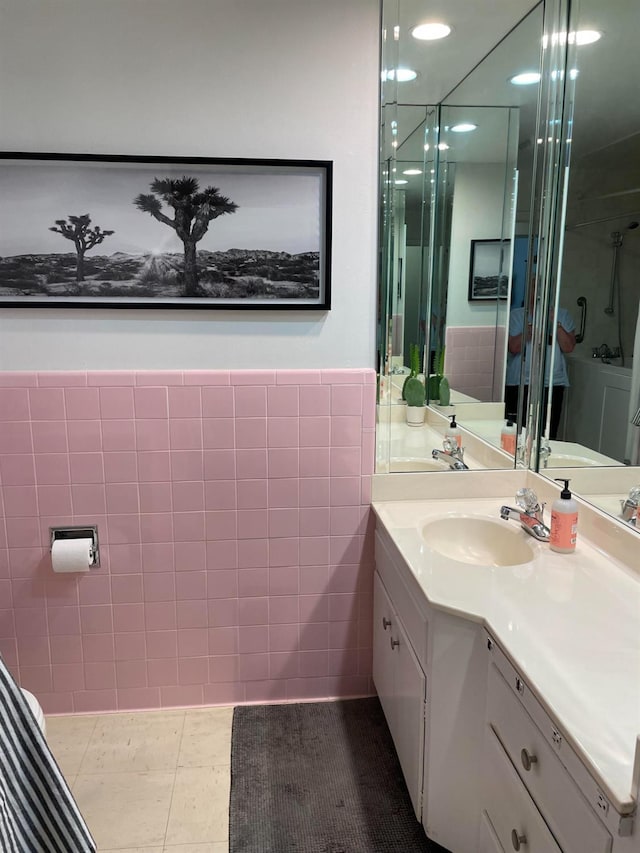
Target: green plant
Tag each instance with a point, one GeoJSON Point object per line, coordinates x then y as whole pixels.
{"type": "Point", "coordinates": [437, 375]}
{"type": "Point", "coordinates": [414, 391]}
{"type": "Point", "coordinates": [414, 367]}
{"type": "Point", "coordinates": [414, 359]}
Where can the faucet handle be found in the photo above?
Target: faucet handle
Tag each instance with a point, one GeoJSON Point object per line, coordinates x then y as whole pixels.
{"type": "Point", "coordinates": [545, 451]}
{"type": "Point", "coordinates": [450, 445]}
{"type": "Point", "coordinates": [634, 495]}
{"type": "Point", "coordinates": [527, 500]}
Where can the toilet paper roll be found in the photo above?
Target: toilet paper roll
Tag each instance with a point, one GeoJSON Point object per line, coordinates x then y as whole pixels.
{"type": "Point", "coordinates": [71, 555]}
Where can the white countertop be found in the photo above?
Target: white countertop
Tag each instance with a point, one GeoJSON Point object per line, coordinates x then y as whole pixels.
{"type": "Point", "coordinates": [569, 622]}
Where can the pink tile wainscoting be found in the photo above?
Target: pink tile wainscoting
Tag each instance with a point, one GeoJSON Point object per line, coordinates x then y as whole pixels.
{"type": "Point", "coordinates": [235, 530]}
{"type": "Point", "coordinates": [474, 359]}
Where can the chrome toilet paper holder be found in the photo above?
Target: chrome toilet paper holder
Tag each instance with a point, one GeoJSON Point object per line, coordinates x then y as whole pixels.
{"type": "Point", "coordinates": [81, 531]}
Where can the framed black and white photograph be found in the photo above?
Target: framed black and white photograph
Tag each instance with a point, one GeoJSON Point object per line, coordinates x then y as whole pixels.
{"type": "Point", "coordinates": [489, 270]}
{"type": "Point", "coordinates": [141, 232]}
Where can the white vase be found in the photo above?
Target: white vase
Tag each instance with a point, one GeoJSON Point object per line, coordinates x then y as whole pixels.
{"type": "Point", "coordinates": [415, 415]}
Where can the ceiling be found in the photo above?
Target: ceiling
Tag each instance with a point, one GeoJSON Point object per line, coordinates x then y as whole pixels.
{"type": "Point", "coordinates": [607, 110]}
{"type": "Point", "coordinates": [477, 27]}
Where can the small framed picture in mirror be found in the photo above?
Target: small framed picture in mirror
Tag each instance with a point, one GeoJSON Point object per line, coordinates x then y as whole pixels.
{"type": "Point", "coordinates": [489, 270]}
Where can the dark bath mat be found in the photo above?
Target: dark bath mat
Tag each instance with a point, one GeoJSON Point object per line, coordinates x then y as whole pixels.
{"type": "Point", "coordinates": [320, 777]}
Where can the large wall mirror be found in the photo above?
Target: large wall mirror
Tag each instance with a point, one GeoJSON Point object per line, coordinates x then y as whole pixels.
{"type": "Point", "coordinates": [514, 198]}
{"type": "Point", "coordinates": [599, 258]}
{"type": "Point", "coordinates": [456, 214]}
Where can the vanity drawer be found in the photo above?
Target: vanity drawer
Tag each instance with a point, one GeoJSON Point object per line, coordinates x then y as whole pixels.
{"type": "Point", "coordinates": [516, 821]}
{"type": "Point", "coordinates": [489, 842]}
{"type": "Point", "coordinates": [568, 814]}
{"type": "Point", "coordinates": [405, 601]}
{"type": "Point", "coordinates": [597, 796]}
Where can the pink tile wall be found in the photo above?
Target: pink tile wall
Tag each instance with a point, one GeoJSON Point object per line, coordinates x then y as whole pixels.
{"type": "Point", "coordinates": [469, 360]}
{"type": "Point", "coordinates": [235, 531]}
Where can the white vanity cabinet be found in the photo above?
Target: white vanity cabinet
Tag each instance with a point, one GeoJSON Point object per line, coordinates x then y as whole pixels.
{"type": "Point", "coordinates": [429, 672]}
{"type": "Point", "coordinates": [401, 685]}
{"type": "Point", "coordinates": [488, 767]}
{"type": "Point", "coordinates": [400, 632]}
{"type": "Point", "coordinates": [532, 800]}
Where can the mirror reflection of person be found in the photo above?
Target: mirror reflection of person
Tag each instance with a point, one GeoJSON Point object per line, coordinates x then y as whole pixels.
{"type": "Point", "coordinates": [562, 337]}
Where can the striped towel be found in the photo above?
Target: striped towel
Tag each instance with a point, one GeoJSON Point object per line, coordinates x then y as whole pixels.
{"type": "Point", "coordinates": [37, 812]}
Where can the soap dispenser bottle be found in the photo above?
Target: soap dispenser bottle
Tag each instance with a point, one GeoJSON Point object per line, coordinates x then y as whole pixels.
{"type": "Point", "coordinates": [564, 521]}
{"type": "Point", "coordinates": [453, 432]}
{"type": "Point", "coordinates": [508, 437]}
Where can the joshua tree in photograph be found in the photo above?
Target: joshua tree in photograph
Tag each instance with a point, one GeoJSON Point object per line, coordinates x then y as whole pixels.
{"type": "Point", "coordinates": [78, 229]}
{"type": "Point", "coordinates": [193, 209]}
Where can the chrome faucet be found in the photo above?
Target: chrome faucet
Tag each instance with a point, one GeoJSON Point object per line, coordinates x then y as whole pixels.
{"type": "Point", "coordinates": [530, 514]}
{"type": "Point", "coordinates": [545, 453]}
{"type": "Point", "coordinates": [605, 354]}
{"type": "Point", "coordinates": [630, 506]}
{"type": "Point", "coordinates": [451, 454]}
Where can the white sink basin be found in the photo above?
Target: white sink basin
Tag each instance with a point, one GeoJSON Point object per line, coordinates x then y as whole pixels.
{"type": "Point", "coordinates": [568, 461]}
{"type": "Point", "coordinates": [478, 541]}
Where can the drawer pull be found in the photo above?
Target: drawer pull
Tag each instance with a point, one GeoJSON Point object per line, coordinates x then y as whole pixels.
{"type": "Point", "coordinates": [527, 759]}
{"type": "Point", "coordinates": [394, 643]}
{"type": "Point", "coordinates": [519, 685]}
{"type": "Point", "coordinates": [386, 623]}
{"type": "Point", "coordinates": [517, 841]}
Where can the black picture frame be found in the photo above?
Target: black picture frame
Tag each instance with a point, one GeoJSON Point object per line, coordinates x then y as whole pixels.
{"type": "Point", "coordinates": [175, 232]}
{"type": "Point", "coordinates": [488, 270]}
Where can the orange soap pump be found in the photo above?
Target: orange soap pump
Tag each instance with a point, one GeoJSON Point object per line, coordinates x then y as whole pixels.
{"type": "Point", "coordinates": [564, 521]}
{"type": "Point", "coordinates": [508, 437]}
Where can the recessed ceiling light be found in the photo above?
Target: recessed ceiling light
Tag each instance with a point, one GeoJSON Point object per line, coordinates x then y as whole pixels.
{"type": "Point", "coordinates": [412, 172]}
{"type": "Point", "coordinates": [431, 31]}
{"type": "Point", "coordinates": [579, 37]}
{"type": "Point", "coordinates": [585, 36]}
{"type": "Point", "coordinates": [442, 146]}
{"type": "Point", "coordinates": [402, 75]}
{"type": "Point", "coordinates": [400, 181]}
{"type": "Point", "coordinates": [463, 127]}
{"type": "Point", "coordinates": [526, 78]}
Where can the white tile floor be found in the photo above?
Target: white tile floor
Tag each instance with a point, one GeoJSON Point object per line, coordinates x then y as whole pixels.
{"type": "Point", "coordinates": [149, 782]}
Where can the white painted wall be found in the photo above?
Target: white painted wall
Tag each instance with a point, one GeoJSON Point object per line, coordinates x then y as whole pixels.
{"type": "Point", "coordinates": [586, 271]}
{"type": "Point", "coordinates": [476, 215]}
{"type": "Point", "coordinates": [249, 78]}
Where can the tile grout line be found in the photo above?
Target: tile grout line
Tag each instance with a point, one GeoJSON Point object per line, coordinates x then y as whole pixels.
{"type": "Point", "coordinates": [89, 739]}
{"type": "Point", "coordinates": [86, 749]}
{"type": "Point", "coordinates": [175, 776]}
